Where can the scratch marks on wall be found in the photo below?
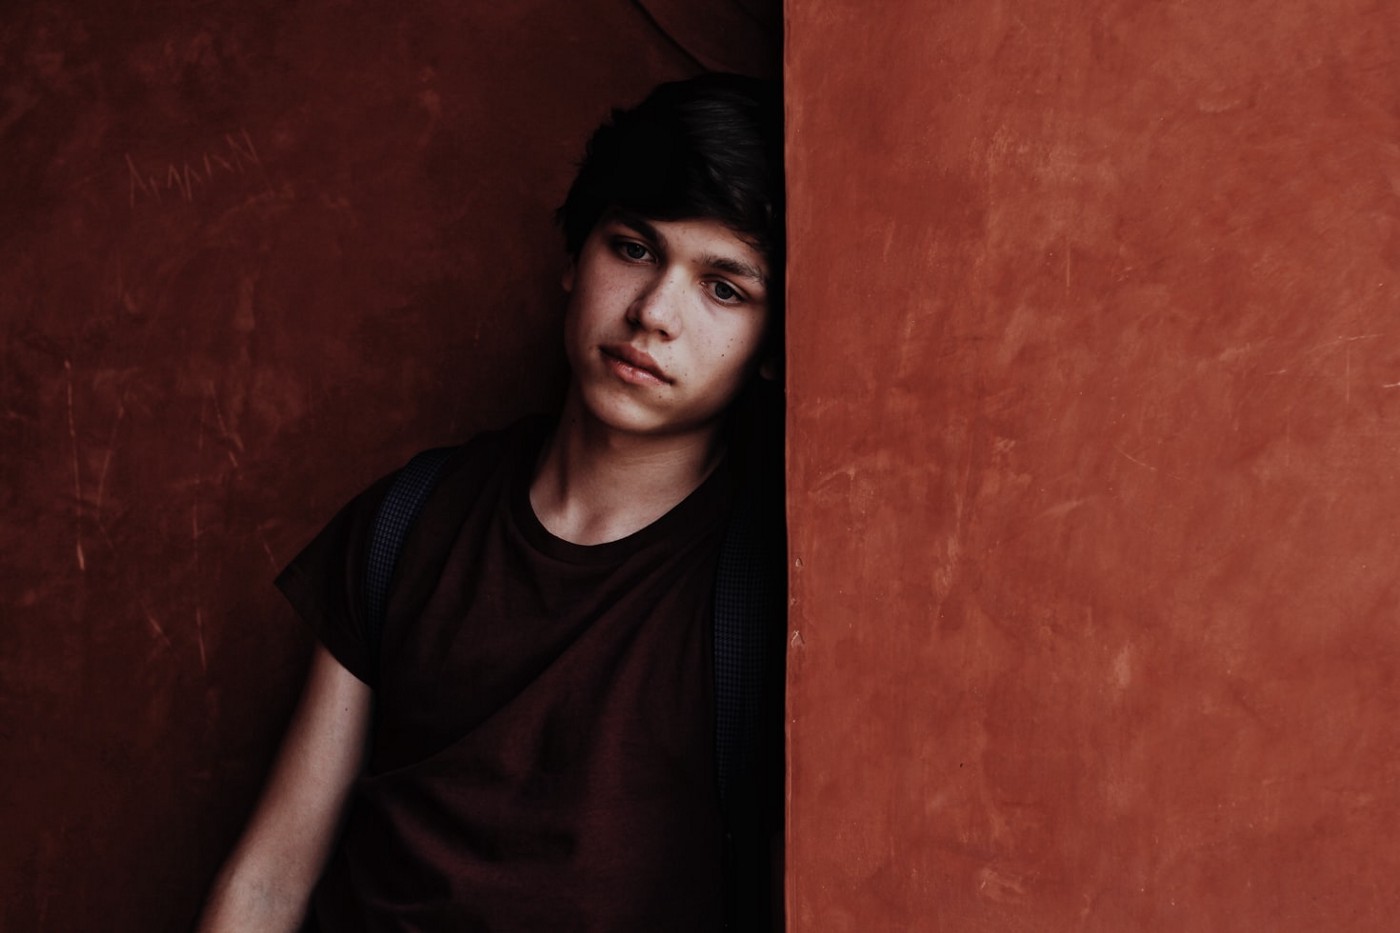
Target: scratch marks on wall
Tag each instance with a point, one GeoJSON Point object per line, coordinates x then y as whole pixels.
{"type": "Point", "coordinates": [89, 499]}
{"type": "Point", "coordinates": [1061, 509]}
{"type": "Point", "coordinates": [1345, 343]}
{"type": "Point", "coordinates": [157, 630]}
{"type": "Point", "coordinates": [1069, 262]}
{"type": "Point", "coordinates": [1123, 668]}
{"type": "Point", "coordinates": [101, 494]}
{"type": "Point", "coordinates": [1129, 457]}
{"type": "Point", "coordinates": [197, 578]}
{"type": "Point", "coordinates": [234, 442]}
{"type": "Point", "coordinates": [267, 549]}
{"type": "Point", "coordinates": [1346, 383]}
{"type": "Point", "coordinates": [77, 473]}
{"type": "Point", "coordinates": [199, 632]}
{"type": "Point", "coordinates": [1000, 885]}
{"type": "Point", "coordinates": [1317, 365]}
{"type": "Point", "coordinates": [1344, 340]}
{"type": "Point", "coordinates": [182, 178]}
{"type": "Point", "coordinates": [132, 506]}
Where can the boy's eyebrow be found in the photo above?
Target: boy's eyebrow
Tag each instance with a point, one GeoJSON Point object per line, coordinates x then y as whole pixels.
{"type": "Point", "coordinates": [734, 267]}
{"type": "Point", "coordinates": [637, 223]}
{"type": "Point", "coordinates": [727, 264]}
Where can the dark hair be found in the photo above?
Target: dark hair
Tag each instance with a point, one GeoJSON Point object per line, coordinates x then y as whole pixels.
{"type": "Point", "coordinates": [708, 147]}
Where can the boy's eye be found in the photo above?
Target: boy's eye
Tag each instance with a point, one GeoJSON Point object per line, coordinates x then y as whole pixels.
{"type": "Point", "coordinates": [726, 292]}
{"type": "Point", "coordinates": [634, 250]}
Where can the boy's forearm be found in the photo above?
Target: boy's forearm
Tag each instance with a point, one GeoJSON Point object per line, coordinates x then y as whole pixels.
{"type": "Point", "coordinates": [266, 883]}
{"type": "Point", "coordinates": [250, 898]}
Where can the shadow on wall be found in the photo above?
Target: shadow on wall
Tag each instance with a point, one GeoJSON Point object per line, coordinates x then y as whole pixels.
{"type": "Point", "coordinates": [253, 256]}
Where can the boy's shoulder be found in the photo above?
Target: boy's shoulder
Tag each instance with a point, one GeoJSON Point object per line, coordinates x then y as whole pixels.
{"type": "Point", "coordinates": [495, 447]}
{"type": "Point", "coordinates": [479, 469]}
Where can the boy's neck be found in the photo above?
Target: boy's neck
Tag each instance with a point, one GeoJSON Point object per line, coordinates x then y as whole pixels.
{"type": "Point", "coordinates": [593, 484]}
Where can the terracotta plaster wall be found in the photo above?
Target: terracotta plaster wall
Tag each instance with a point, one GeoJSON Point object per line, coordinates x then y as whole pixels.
{"type": "Point", "coordinates": [252, 255]}
{"type": "Point", "coordinates": [1094, 422]}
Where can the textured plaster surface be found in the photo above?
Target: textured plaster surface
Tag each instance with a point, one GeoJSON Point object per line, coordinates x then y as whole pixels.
{"type": "Point", "coordinates": [1094, 365]}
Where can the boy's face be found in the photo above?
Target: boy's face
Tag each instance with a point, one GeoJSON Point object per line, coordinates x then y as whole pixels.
{"type": "Point", "coordinates": [665, 322]}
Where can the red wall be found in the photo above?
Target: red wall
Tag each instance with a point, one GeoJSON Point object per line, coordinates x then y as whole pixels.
{"type": "Point", "coordinates": [1094, 422]}
{"type": "Point", "coordinates": [251, 256]}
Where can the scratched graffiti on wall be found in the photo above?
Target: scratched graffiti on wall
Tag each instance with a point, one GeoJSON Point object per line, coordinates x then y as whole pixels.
{"type": "Point", "coordinates": [187, 178]}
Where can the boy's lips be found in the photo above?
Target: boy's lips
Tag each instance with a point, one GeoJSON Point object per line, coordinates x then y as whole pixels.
{"type": "Point", "coordinates": [637, 359]}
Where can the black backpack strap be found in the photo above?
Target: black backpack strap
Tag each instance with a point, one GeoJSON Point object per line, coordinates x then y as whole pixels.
{"type": "Point", "coordinates": [743, 597]}
{"type": "Point", "coordinates": [393, 519]}
{"type": "Point", "coordinates": [748, 606]}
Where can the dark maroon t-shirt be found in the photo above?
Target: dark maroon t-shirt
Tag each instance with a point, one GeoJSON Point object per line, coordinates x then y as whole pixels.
{"type": "Point", "coordinates": [543, 753]}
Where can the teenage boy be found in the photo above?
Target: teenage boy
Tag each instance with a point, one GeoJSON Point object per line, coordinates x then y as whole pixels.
{"type": "Point", "coordinates": [531, 741]}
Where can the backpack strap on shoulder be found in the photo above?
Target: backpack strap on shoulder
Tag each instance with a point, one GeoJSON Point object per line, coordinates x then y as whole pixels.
{"type": "Point", "coordinates": [748, 606]}
{"type": "Point", "coordinates": [395, 516]}
{"type": "Point", "coordinates": [741, 635]}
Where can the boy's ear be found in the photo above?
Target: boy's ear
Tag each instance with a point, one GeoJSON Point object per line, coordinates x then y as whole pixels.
{"type": "Point", "coordinates": [567, 279]}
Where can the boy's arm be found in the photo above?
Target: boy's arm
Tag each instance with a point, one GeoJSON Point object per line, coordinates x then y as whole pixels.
{"type": "Point", "coordinates": [267, 881]}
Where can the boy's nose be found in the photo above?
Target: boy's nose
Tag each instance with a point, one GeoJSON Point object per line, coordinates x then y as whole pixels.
{"type": "Point", "coordinates": [657, 308]}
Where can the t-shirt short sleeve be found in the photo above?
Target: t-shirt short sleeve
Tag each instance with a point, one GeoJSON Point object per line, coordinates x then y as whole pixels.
{"type": "Point", "coordinates": [323, 583]}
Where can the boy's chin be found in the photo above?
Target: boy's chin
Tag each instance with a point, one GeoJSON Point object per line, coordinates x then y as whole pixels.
{"type": "Point", "coordinates": [628, 417]}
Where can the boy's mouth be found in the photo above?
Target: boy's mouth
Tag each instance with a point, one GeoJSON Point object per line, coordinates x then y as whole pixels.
{"type": "Point", "coordinates": [635, 361]}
